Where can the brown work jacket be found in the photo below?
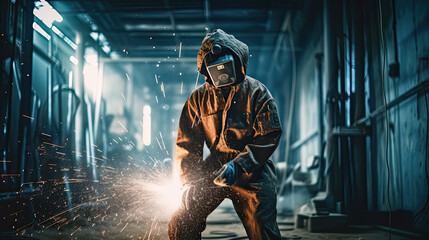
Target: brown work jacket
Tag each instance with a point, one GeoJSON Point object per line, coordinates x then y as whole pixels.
{"type": "Point", "coordinates": [243, 127]}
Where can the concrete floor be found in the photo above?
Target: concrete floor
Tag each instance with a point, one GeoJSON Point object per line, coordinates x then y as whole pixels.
{"type": "Point", "coordinates": [123, 223]}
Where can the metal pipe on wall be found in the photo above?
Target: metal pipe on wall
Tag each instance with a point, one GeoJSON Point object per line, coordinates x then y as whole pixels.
{"type": "Point", "coordinates": [80, 124]}
{"type": "Point", "coordinates": [343, 141]}
{"type": "Point", "coordinates": [26, 84]}
{"type": "Point", "coordinates": [3, 97]}
{"type": "Point", "coordinates": [358, 142]}
{"type": "Point", "coordinates": [331, 87]}
{"type": "Point", "coordinates": [9, 87]}
{"type": "Point", "coordinates": [98, 98]}
{"type": "Point", "coordinates": [321, 135]}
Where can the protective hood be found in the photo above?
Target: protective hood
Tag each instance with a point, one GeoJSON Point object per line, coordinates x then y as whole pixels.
{"type": "Point", "coordinates": [240, 50]}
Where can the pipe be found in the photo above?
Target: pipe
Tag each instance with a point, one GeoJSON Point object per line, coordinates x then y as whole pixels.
{"type": "Point", "coordinates": [321, 132]}
{"type": "Point", "coordinates": [80, 91]}
{"type": "Point", "coordinates": [394, 69]}
{"type": "Point", "coordinates": [380, 110]}
{"type": "Point", "coordinates": [303, 141]}
{"type": "Point", "coordinates": [331, 87]}
{"type": "Point", "coordinates": [358, 142]}
{"type": "Point", "coordinates": [291, 105]}
{"type": "Point", "coordinates": [395, 35]}
{"type": "Point", "coordinates": [25, 86]}
{"type": "Point", "coordinates": [319, 77]}
{"type": "Point", "coordinates": [9, 88]}
{"type": "Point", "coordinates": [343, 147]}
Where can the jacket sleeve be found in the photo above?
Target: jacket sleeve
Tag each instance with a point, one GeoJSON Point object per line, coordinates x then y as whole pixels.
{"type": "Point", "coordinates": [189, 143]}
{"type": "Point", "coordinates": [266, 138]}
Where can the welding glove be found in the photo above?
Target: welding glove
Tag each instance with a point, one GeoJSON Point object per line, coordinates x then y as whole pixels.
{"type": "Point", "coordinates": [228, 174]}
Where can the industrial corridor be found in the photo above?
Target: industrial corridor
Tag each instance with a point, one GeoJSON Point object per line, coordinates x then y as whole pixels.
{"type": "Point", "coordinates": [204, 119]}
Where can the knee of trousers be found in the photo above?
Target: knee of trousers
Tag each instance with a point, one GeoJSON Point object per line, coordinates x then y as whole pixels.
{"type": "Point", "coordinates": [183, 222]}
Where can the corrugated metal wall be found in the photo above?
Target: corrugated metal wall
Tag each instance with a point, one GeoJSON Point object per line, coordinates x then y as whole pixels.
{"type": "Point", "coordinates": [407, 147]}
{"type": "Point", "coordinates": [408, 117]}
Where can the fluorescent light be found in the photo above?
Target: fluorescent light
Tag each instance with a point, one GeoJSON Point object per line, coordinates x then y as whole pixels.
{"type": "Point", "coordinates": [45, 12]}
{"type": "Point", "coordinates": [74, 60]}
{"type": "Point", "coordinates": [40, 30]}
{"type": "Point", "coordinates": [57, 31]}
{"type": "Point", "coordinates": [106, 49]}
{"type": "Point", "coordinates": [70, 42]}
{"type": "Point", "coordinates": [94, 35]}
{"type": "Point", "coordinates": [99, 37]}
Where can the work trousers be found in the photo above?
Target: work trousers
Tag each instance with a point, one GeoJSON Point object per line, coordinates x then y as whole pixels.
{"type": "Point", "coordinates": [254, 203]}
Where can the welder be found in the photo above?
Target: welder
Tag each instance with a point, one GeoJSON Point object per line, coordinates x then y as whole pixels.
{"type": "Point", "coordinates": [237, 118]}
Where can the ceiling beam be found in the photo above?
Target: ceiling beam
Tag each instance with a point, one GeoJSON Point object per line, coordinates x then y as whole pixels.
{"type": "Point", "coordinates": [134, 47]}
{"type": "Point", "coordinates": [279, 5]}
{"type": "Point", "coordinates": [191, 32]}
{"type": "Point", "coordinates": [149, 60]}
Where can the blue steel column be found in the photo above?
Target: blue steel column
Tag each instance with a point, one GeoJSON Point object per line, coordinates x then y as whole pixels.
{"type": "Point", "coordinates": [330, 64]}
{"type": "Point", "coordinates": [359, 144]}
{"type": "Point", "coordinates": [80, 124]}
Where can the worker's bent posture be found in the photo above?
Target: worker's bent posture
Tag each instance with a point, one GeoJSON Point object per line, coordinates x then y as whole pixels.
{"type": "Point", "coordinates": [237, 118]}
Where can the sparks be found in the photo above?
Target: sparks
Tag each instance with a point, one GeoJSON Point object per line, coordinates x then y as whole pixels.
{"type": "Point", "coordinates": [167, 194]}
{"type": "Point", "coordinates": [128, 77]}
{"type": "Point", "coordinates": [122, 125]}
{"type": "Point", "coordinates": [163, 89]}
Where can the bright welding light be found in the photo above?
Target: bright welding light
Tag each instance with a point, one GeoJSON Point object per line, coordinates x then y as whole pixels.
{"type": "Point", "coordinates": [45, 12]}
{"type": "Point", "coordinates": [167, 195]}
{"type": "Point", "coordinates": [170, 196]}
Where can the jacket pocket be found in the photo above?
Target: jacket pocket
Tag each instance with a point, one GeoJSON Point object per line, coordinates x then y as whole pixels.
{"type": "Point", "coordinates": [268, 121]}
{"type": "Point", "coordinates": [238, 131]}
{"type": "Point", "coordinates": [212, 126]}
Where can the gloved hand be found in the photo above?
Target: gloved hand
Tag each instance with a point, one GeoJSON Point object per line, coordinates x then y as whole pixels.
{"type": "Point", "coordinates": [228, 174]}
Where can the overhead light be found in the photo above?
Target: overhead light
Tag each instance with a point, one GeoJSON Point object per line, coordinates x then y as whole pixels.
{"type": "Point", "coordinates": [57, 31]}
{"type": "Point", "coordinates": [40, 30]}
{"type": "Point", "coordinates": [106, 49]}
{"type": "Point", "coordinates": [84, 17]}
{"type": "Point", "coordinates": [101, 39]}
{"type": "Point", "coordinates": [74, 60]}
{"type": "Point", "coordinates": [70, 42]}
{"type": "Point", "coordinates": [94, 35]}
{"type": "Point", "coordinates": [98, 36]}
{"type": "Point", "coordinates": [45, 12]}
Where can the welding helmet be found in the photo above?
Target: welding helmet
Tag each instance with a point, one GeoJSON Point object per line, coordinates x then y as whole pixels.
{"type": "Point", "coordinates": [220, 66]}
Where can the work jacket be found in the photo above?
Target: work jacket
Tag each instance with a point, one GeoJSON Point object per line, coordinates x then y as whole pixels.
{"type": "Point", "coordinates": [243, 127]}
